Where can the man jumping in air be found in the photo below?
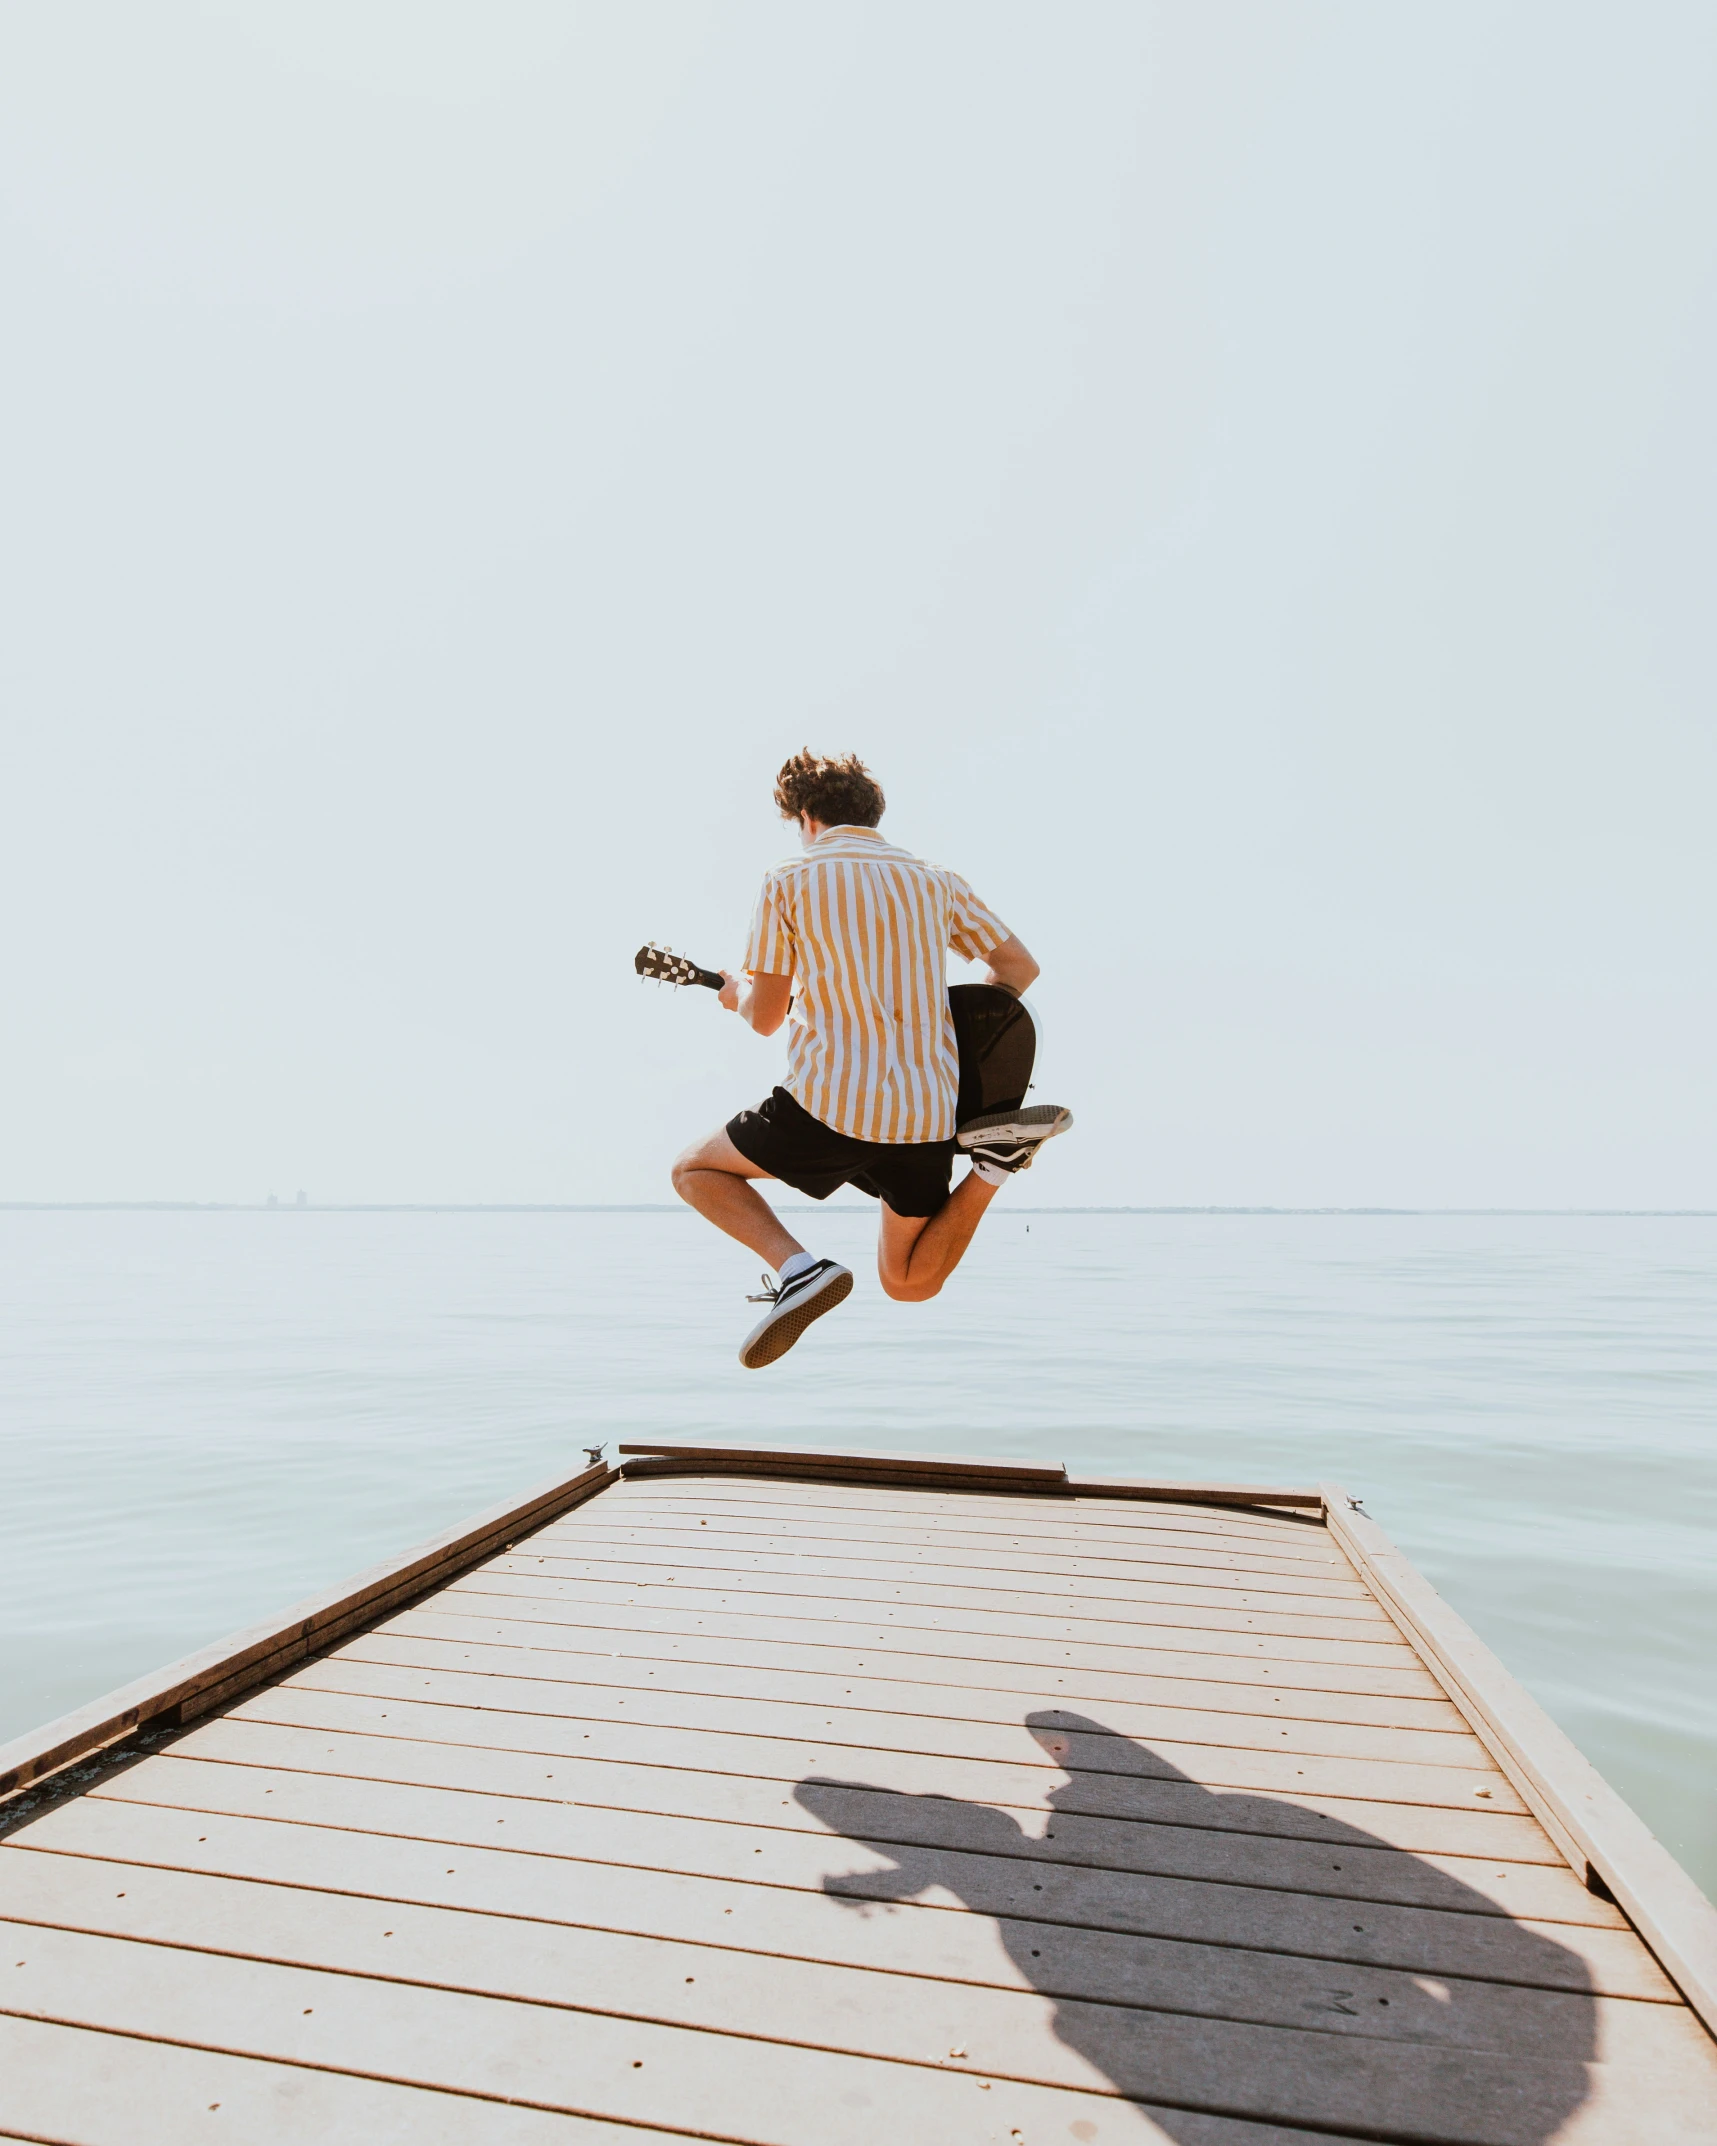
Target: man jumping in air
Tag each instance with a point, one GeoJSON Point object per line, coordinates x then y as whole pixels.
{"type": "Point", "coordinates": [851, 938]}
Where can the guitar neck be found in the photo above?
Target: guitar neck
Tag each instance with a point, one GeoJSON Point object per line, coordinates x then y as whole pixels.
{"type": "Point", "coordinates": [660, 964]}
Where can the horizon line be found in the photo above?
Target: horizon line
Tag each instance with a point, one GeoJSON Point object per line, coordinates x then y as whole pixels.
{"type": "Point", "coordinates": [675, 1207]}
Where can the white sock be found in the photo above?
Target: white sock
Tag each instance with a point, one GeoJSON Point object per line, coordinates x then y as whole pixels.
{"type": "Point", "coordinates": [992, 1173]}
{"type": "Point", "coordinates": [790, 1269]}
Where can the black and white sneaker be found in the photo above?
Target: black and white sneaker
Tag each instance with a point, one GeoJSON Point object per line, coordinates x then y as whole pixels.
{"type": "Point", "coordinates": [1004, 1141]}
{"type": "Point", "coordinates": [792, 1307]}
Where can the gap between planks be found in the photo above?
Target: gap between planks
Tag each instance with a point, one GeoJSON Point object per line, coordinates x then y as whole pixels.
{"type": "Point", "coordinates": [358, 1704]}
{"type": "Point", "coordinates": [1183, 1926]}
{"type": "Point", "coordinates": [515, 1595]}
{"type": "Point", "coordinates": [1545, 1892]}
{"type": "Point", "coordinates": [951, 1557]}
{"type": "Point", "coordinates": [1174, 1676]}
{"type": "Point", "coordinates": [1070, 1525]}
{"type": "Point", "coordinates": [108, 2089]}
{"type": "Point", "coordinates": [714, 2082]}
{"type": "Point", "coordinates": [323, 1925]}
{"type": "Point", "coordinates": [672, 1597]}
{"type": "Point", "coordinates": [1195, 1630]}
{"type": "Point", "coordinates": [1145, 1513]}
{"type": "Point", "coordinates": [1000, 1818]}
{"type": "Point", "coordinates": [1324, 1553]}
{"type": "Point", "coordinates": [905, 1814]}
{"type": "Point", "coordinates": [531, 1686]}
{"type": "Point", "coordinates": [892, 2013]}
{"type": "Point", "coordinates": [953, 1554]}
{"type": "Point", "coordinates": [524, 1652]}
{"type": "Point", "coordinates": [1406, 1938]}
{"type": "Point", "coordinates": [1068, 1528]}
{"type": "Point", "coordinates": [1109, 1546]}
{"type": "Point", "coordinates": [1363, 1617]}
{"type": "Point", "coordinates": [1107, 1827]}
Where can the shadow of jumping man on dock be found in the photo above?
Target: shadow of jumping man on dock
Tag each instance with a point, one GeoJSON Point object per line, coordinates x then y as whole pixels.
{"type": "Point", "coordinates": [1217, 1952]}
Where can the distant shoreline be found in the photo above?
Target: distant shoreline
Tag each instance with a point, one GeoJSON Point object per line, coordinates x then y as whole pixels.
{"type": "Point", "coordinates": [663, 1207]}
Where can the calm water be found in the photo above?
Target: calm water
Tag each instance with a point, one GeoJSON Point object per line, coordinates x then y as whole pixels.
{"type": "Point", "coordinates": [204, 1416]}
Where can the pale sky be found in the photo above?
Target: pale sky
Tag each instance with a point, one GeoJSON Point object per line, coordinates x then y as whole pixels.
{"type": "Point", "coordinates": [1242, 474]}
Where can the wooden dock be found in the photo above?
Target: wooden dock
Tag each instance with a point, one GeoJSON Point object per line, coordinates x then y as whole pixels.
{"type": "Point", "coordinates": [817, 1800]}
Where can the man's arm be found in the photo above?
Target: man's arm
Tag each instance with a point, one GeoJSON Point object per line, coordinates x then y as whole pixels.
{"type": "Point", "coordinates": [762, 1001]}
{"type": "Point", "coordinates": [1011, 966]}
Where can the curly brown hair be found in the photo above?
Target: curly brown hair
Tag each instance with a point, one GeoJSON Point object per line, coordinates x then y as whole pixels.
{"type": "Point", "coordinates": [838, 790]}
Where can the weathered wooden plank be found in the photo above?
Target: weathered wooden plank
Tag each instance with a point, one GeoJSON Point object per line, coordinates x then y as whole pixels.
{"type": "Point", "coordinates": [1066, 1519]}
{"type": "Point", "coordinates": [715, 2084]}
{"type": "Point", "coordinates": [1096, 1791]}
{"type": "Point", "coordinates": [79, 2087]}
{"type": "Point", "coordinates": [1062, 1550]}
{"type": "Point", "coordinates": [775, 1847]}
{"type": "Point", "coordinates": [1092, 1819]}
{"type": "Point", "coordinates": [1563, 1788]}
{"type": "Point", "coordinates": [245, 1658]}
{"type": "Point", "coordinates": [1304, 1594]}
{"type": "Point", "coordinates": [674, 1842]}
{"type": "Point", "coordinates": [942, 1468]}
{"type": "Point", "coordinates": [795, 1922]}
{"type": "Point", "coordinates": [1197, 1714]}
{"type": "Point", "coordinates": [1114, 1820]}
{"type": "Point", "coordinates": [1097, 1819]}
{"type": "Point", "coordinates": [1439, 1766]}
{"type": "Point", "coordinates": [908, 1578]}
{"type": "Point", "coordinates": [836, 1603]}
{"type": "Point", "coordinates": [639, 1542]}
{"type": "Point", "coordinates": [778, 2094]}
{"type": "Point", "coordinates": [707, 1495]}
{"type": "Point", "coordinates": [809, 1998]}
{"type": "Point", "coordinates": [1431, 1829]}
{"type": "Point", "coordinates": [1099, 1518]}
{"type": "Point", "coordinates": [906, 2016]}
{"type": "Point", "coordinates": [956, 1651]}
{"type": "Point", "coordinates": [944, 1680]}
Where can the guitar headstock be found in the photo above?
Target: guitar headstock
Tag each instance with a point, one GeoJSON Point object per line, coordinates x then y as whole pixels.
{"type": "Point", "coordinates": [663, 966]}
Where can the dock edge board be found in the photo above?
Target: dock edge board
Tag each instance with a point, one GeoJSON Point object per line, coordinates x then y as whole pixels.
{"type": "Point", "coordinates": [1608, 1845]}
{"type": "Point", "coordinates": [952, 1468]}
{"type": "Point", "coordinates": [955, 1472]}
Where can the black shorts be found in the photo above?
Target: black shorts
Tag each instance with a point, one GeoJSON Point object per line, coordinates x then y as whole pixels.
{"type": "Point", "coordinates": [782, 1137]}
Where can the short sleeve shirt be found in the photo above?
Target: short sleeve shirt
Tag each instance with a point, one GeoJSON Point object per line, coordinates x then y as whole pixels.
{"type": "Point", "coordinates": [863, 929]}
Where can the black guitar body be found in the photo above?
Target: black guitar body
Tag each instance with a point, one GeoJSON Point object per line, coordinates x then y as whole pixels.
{"type": "Point", "coordinates": [998, 1045]}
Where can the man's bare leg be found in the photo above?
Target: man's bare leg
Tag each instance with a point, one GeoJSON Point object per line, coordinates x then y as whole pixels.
{"type": "Point", "coordinates": [712, 1176]}
{"type": "Point", "coordinates": [915, 1257]}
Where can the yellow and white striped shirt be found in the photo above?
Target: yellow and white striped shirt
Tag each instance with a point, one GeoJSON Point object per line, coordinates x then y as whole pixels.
{"type": "Point", "coordinates": [862, 929]}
